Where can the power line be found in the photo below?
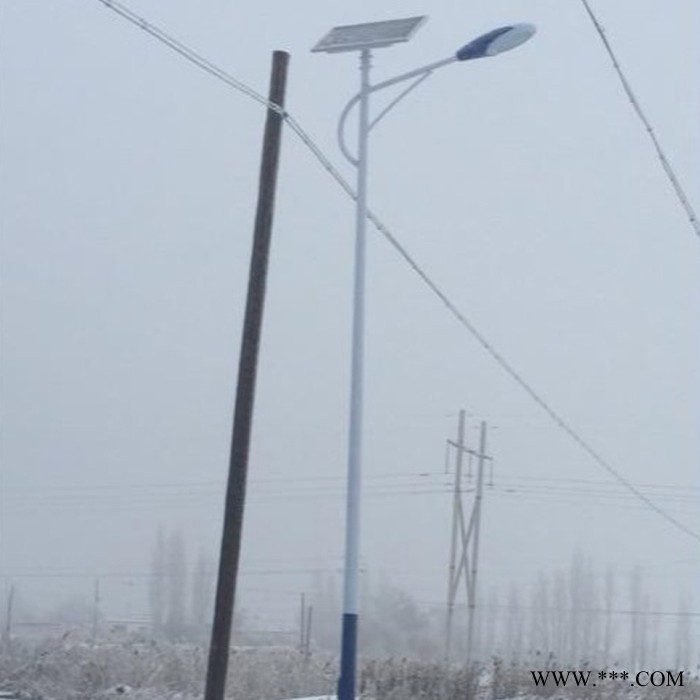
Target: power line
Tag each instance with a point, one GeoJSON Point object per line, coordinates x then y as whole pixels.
{"type": "Point", "coordinates": [668, 169]}
{"type": "Point", "coordinates": [321, 480]}
{"type": "Point", "coordinates": [200, 493]}
{"type": "Point", "coordinates": [564, 479]}
{"type": "Point", "coordinates": [568, 611]}
{"type": "Point", "coordinates": [225, 77]}
{"type": "Point", "coordinates": [610, 491]}
{"type": "Point", "coordinates": [599, 489]}
{"type": "Point", "coordinates": [203, 500]}
{"type": "Point", "coordinates": [189, 54]}
{"type": "Point", "coordinates": [144, 575]}
{"type": "Point", "coordinates": [282, 478]}
{"type": "Point", "coordinates": [571, 500]}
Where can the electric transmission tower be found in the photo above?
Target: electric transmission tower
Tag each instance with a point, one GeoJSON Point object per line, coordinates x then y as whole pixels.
{"type": "Point", "coordinates": [464, 546]}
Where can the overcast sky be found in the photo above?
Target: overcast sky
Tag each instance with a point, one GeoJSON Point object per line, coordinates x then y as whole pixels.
{"type": "Point", "coordinates": [524, 184]}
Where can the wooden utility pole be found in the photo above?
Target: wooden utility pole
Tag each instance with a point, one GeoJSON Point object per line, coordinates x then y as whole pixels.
{"type": "Point", "coordinates": [245, 393]}
{"type": "Point", "coordinates": [305, 642]}
{"type": "Point", "coordinates": [7, 632]}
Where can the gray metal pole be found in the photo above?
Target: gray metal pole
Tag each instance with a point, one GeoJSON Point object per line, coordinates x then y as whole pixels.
{"type": "Point", "coordinates": [475, 550]}
{"type": "Point", "coordinates": [95, 610]}
{"type": "Point", "coordinates": [309, 620]}
{"type": "Point", "coordinates": [245, 392]}
{"type": "Point", "coordinates": [7, 632]}
{"type": "Point", "coordinates": [456, 516]}
{"type": "Point", "coordinates": [348, 652]}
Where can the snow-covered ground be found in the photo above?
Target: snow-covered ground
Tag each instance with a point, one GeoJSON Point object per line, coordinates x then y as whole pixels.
{"type": "Point", "coordinates": [157, 671]}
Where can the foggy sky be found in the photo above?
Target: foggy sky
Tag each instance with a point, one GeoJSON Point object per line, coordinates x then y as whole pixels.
{"type": "Point", "coordinates": [526, 187]}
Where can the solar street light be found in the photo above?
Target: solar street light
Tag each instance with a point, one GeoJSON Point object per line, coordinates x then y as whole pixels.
{"type": "Point", "coordinates": [371, 35]}
{"type": "Point", "coordinates": [363, 38]}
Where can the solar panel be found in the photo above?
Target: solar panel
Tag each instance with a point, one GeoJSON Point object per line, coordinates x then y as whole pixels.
{"type": "Point", "coordinates": [371, 35]}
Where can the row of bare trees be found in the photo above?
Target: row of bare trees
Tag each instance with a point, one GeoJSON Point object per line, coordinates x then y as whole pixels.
{"type": "Point", "coordinates": [578, 616]}
{"type": "Point", "coordinates": [180, 601]}
{"type": "Point", "coordinates": [586, 616]}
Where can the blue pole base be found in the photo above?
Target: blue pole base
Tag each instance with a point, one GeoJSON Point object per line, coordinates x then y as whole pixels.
{"type": "Point", "coordinates": [348, 657]}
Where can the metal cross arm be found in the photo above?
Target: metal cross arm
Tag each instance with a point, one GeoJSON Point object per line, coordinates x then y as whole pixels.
{"type": "Point", "coordinates": [468, 450]}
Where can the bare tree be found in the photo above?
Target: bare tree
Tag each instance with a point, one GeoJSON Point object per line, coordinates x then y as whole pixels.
{"type": "Point", "coordinates": [7, 629]}
{"type": "Point", "coordinates": [655, 629]}
{"type": "Point", "coordinates": [514, 627]}
{"type": "Point", "coordinates": [489, 620]}
{"type": "Point", "coordinates": [176, 586]}
{"type": "Point", "coordinates": [540, 625]}
{"type": "Point", "coordinates": [608, 634]}
{"type": "Point", "coordinates": [327, 612]}
{"type": "Point", "coordinates": [202, 596]}
{"type": "Point", "coordinates": [643, 629]}
{"type": "Point", "coordinates": [561, 626]}
{"type": "Point", "coordinates": [581, 604]}
{"type": "Point", "coordinates": [682, 645]}
{"type": "Point", "coordinates": [157, 586]}
{"type": "Point", "coordinates": [635, 626]}
{"type": "Point", "coordinates": [590, 618]}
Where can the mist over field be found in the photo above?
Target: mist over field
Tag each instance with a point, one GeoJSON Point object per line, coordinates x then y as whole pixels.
{"type": "Point", "coordinates": [526, 188]}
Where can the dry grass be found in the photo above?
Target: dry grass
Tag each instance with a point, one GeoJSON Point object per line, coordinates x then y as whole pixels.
{"type": "Point", "coordinates": [152, 671]}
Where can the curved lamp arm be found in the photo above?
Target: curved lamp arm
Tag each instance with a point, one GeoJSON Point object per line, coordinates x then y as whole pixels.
{"type": "Point", "coordinates": [494, 42]}
{"type": "Point", "coordinates": [419, 73]}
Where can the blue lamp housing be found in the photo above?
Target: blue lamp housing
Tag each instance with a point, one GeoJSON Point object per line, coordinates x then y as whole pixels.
{"type": "Point", "coordinates": [496, 41]}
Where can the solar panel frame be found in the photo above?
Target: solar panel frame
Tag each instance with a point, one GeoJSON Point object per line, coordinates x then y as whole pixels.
{"type": "Point", "coordinates": [369, 35]}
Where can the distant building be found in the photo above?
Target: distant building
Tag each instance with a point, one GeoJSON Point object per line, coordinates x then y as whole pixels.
{"type": "Point", "coordinates": [40, 631]}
